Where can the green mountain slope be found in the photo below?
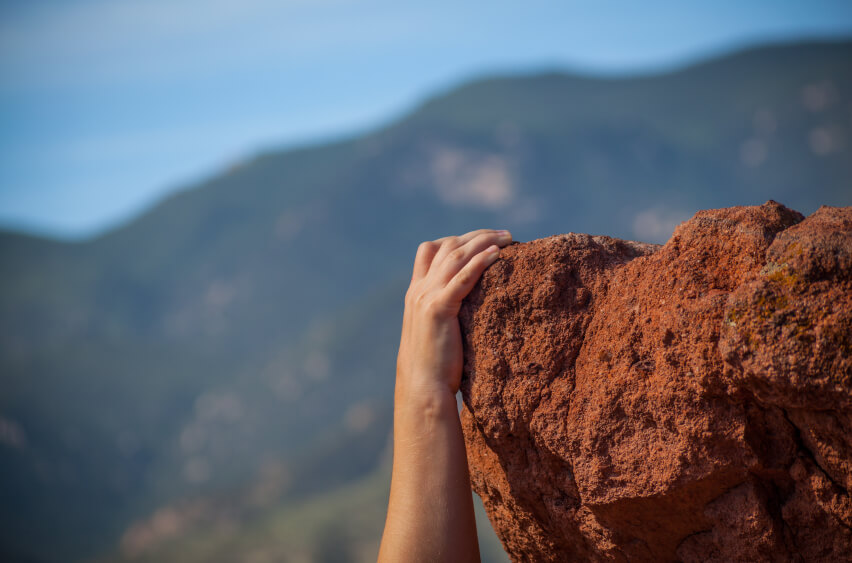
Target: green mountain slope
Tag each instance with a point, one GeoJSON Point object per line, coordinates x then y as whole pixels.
{"type": "Point", "coordinates": [251, 322]}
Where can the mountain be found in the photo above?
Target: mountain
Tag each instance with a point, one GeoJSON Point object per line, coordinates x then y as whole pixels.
{"type": "Point", "coordinates": [242, 333]}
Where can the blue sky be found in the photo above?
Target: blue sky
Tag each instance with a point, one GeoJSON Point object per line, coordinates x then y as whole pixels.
{"type": "Point", "coordinates": [108, 105]}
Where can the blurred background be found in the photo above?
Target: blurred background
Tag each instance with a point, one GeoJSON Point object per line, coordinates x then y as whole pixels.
{"type": "Point", "coordinates": [210, 210]}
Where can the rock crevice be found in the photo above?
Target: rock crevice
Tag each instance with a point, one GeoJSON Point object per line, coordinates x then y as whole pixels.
{"type": "Point", "coordinates": [685, 402]}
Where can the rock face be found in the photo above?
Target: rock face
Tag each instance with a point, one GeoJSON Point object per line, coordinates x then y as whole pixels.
{"type": "Point", "coordinates": [686, 402]}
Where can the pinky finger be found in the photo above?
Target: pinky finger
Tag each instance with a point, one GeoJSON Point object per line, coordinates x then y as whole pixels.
{"type": "Point", "coordinates": [461, 284]}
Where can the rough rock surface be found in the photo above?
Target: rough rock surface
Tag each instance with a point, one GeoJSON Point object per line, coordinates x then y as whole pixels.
{"type": "Point", "coordinates": [686, 402]}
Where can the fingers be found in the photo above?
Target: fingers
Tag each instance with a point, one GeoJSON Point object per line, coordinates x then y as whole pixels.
{"type": "Point", "coordinates": [448, 244]}
{"type": "Point", "coordinates": [434, 251]}
{"type": "Point", "coordinates": [461, 284]}
{"type": "Point", "coordinates": [473, 234]}
{"type": "Point", "coordinates": [423, 259]}
{"type": "Point", "coordinates": [458, 257]}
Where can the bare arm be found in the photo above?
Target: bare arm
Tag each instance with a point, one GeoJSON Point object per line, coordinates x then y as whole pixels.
{"type": "Point", "coordinates": [430, 513]}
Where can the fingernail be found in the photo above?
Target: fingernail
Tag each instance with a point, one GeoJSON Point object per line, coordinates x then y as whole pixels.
{"type": "Point", "coordinates": [493, 249]}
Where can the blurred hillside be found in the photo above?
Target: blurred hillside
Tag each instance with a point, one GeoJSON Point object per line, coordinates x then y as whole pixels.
{"type": "Point", "coordinates": [213, 381]}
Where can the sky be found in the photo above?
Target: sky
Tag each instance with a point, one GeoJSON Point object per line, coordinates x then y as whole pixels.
{"type": "Point", "coordinates": [108, 105]}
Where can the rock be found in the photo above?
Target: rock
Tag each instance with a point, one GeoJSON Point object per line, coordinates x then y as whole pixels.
{"type": "Point", "coordinates": [687, 402]}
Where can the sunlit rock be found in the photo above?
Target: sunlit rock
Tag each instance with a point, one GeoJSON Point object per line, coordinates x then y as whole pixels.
{"type": "Point", "coordinates": [692, 402]}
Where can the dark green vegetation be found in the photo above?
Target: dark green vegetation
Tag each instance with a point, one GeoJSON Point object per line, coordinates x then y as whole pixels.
{"type": "Point", "coordinates": [215, 378]}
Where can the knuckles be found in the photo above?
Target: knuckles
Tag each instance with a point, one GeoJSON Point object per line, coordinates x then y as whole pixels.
{"type": "Point", "coordinates": [464, 278]}
{"type": "Point", "coordinates": [450, 242]}
{"type": "Point", "coordinates": [425, 247]}
{"type": "Point", "coordinates": [457, 255]}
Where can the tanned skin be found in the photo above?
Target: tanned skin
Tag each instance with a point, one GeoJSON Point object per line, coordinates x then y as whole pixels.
{"type": "Point", "coordinates": [430, 513]}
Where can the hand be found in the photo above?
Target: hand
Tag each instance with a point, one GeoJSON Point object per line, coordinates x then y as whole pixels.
{"type": "Point", "coordinates": [445, 270]}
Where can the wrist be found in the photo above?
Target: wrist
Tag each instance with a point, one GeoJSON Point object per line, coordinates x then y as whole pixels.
{"type": "Point", "coordinates": [425, 398]}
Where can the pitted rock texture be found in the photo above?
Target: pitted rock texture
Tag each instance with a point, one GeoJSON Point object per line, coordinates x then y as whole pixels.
{"type": "Point", "coordinates": [686, 402]}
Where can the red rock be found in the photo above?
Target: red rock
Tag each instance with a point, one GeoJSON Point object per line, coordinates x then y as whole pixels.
{"type": "Point", "coordinates": [693, 402]}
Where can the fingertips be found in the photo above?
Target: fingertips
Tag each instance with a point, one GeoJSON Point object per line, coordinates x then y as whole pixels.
{"type": "Point", "coordinates": [501, 237]}
{"type": "Point", "coordinates": [473, 234]}
{"type": "Point", "coordinates": [504, 237]}
{"type": "Point", "coordinates": [485, 241]}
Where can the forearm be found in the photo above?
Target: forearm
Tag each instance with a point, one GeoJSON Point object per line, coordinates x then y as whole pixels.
{"type": "Point", "coordinates": [430, 513]}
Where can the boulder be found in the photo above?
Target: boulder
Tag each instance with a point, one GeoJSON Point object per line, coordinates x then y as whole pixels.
{"type": "Point", "coordinates": [688, 402]}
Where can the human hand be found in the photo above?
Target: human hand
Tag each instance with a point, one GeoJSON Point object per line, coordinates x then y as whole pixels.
{"type": "Point", "coordinates": [445, 270]}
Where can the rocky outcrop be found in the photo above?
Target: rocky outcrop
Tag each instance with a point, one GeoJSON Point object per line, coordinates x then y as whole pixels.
{"type": "Point", "coordinates": [691, 402]}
